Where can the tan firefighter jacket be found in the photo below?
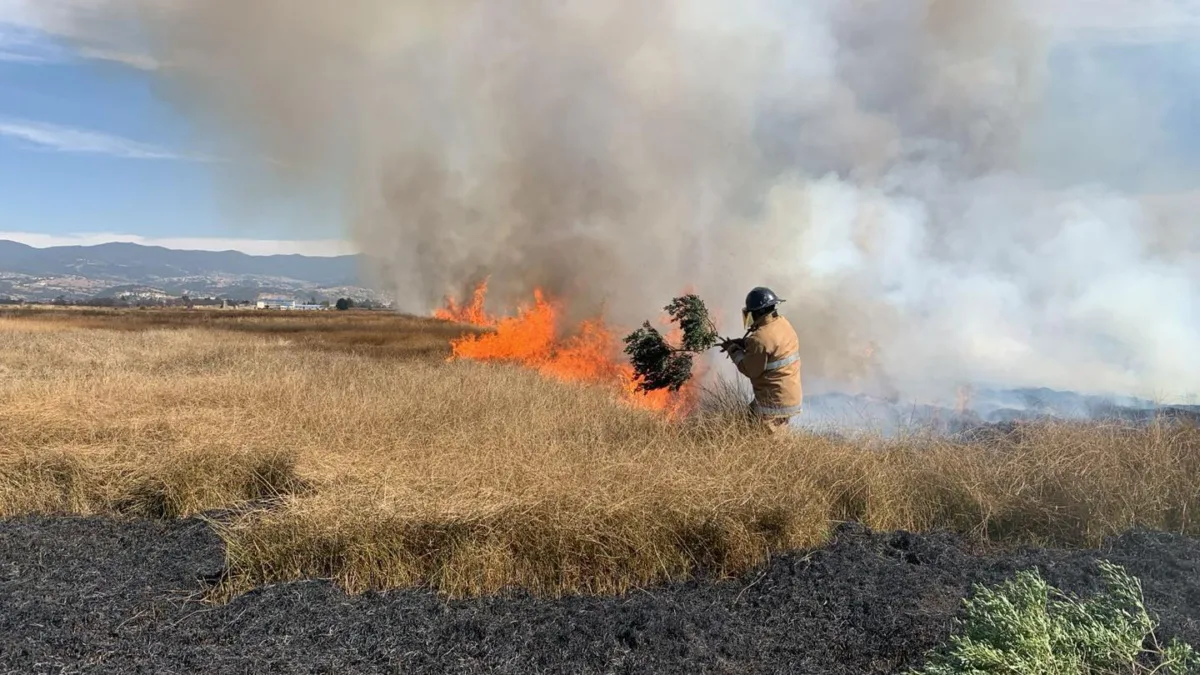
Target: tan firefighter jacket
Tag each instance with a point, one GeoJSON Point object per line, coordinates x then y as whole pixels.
{"type": "Point", "coordinates": [772, 362]}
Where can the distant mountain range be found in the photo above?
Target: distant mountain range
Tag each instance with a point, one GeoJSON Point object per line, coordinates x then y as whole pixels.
{"type": "Point", "coordinates": [134, 270]}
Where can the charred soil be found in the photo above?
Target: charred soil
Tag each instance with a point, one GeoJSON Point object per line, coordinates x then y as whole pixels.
{"type": "Point", "coordinates": [105, 595]}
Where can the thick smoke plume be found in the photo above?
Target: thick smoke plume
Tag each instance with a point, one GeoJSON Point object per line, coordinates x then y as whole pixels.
{"type": "Point", "coordinates": [874, 161]}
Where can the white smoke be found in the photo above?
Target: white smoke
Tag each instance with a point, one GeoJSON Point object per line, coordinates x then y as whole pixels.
{"type": "Point", "coordinates": [877, 162]}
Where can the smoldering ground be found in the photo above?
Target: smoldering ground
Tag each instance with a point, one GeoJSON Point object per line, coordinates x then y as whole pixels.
{"type": "Point", "coordinates": [893, 168]}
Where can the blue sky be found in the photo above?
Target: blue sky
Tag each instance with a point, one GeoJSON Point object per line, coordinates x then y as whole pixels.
{"type": "Point", "coordinates": [88, 151]}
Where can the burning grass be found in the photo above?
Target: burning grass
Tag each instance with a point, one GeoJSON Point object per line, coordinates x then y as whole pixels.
{"type": "Point", "coordinates": [535, 338]}
{"type": "Point", "coordinates": [470, 477]}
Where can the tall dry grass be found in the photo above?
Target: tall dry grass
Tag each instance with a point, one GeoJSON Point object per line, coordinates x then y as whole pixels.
{"type": "Point", "coordinates": [368, 333]}
{"type": "Point", "coordinates": [390, 472]}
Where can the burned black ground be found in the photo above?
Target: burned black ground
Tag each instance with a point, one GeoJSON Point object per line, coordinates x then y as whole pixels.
{"type": "Point", "coordinates": [105, 596]}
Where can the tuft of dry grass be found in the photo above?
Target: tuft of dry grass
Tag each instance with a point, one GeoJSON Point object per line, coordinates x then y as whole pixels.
{"type": "Point", "coordinates": [386, 471]}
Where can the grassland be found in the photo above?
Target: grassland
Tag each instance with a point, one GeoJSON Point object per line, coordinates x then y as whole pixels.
{"type": "Point", "coordinates": [345, 447]}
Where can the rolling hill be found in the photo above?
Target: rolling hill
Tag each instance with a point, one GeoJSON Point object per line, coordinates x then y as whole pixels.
{"type": "Point", "coordinates": [105, 270]}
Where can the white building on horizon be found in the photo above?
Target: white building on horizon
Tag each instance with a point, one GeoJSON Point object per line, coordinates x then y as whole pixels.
{"type": "Point", "coordinates": [275, 302]}
{"type": "Point", "coordinates": [280, 302]}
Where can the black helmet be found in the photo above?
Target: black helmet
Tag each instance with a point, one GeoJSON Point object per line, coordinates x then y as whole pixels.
{"type": "Point", "coordinates": [761, 298]}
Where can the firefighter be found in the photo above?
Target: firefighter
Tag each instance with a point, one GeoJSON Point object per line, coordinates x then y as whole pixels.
{"type": "Point", "coordinates": [769, 356]}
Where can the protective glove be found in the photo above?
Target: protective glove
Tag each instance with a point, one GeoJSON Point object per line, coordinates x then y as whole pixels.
{"type": "Point", "coordinates": [735, 344]}
{"type": "Point", "coordinates": [736, 349]}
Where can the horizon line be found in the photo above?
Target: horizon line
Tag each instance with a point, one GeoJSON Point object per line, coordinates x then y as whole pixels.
{"type": "Point", "coordinates": [314, 248]}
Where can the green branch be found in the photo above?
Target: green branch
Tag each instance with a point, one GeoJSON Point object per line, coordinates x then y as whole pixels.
{"type": "Point", "coordinates": [659, 365]}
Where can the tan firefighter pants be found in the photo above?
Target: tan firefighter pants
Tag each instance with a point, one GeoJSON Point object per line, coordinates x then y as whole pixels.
{"type": "Point", "coordinates": [773, 425]}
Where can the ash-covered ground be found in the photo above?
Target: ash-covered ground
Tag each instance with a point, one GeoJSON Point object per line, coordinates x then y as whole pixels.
{"type": "Point", "coordinates": [106, 596]}
{"type": "Point", "coordinates": [833, 411]}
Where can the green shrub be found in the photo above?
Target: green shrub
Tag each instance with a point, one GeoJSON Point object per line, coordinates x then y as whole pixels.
{"type": "Point", "coordinates": [1026, 626]}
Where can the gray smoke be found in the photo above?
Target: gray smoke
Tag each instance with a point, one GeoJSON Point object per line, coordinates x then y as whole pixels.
{"type": "Point", "coordinates": [874, 161]}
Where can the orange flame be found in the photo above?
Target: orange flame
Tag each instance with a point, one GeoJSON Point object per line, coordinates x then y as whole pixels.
{"type": "Point", "coordinates": [472, 314]}
{"type": "Point", "coordinates": [963, 397]}
{"type": "Point", "coordinates": [530, 338]}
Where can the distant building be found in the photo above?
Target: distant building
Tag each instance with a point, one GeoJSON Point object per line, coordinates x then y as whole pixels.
{"type": "Point", "coordinates": [275, 303]}
{"type": "Point", "coordinates": [286, 304]}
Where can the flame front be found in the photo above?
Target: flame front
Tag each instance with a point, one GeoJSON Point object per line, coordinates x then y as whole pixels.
{"type": "Point", "coordinates": [471, 314]}
{"type": "Point", "coordinates": [531, 339]}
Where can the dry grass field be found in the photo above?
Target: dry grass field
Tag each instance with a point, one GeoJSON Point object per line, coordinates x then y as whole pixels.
{"type": "Point", "coordinates": [344, 446]}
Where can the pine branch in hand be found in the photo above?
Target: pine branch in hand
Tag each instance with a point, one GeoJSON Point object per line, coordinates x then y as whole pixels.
{"type": "Point", "coordinates": [658, 365]}
{"type": "Point", "coordinates": [655, 363]}
{"type": "Point", "coordinates": [699, 333]}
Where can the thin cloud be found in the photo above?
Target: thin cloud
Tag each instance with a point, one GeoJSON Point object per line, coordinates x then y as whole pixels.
{"type": "Point", "coordinates": [24, 44]}
{"type": "Point", "coordinates": [17, 47]}
{"type": "Point", "coordinates": [31, 32]}
{"type": "Point", "coordinates": [18, 57]}
{"type": "Point", "coordinates": [130, 59]}
{"type": "Point", "coordinates": [73, 140]}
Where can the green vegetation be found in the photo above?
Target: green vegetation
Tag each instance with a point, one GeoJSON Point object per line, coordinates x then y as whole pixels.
{"type": "Point", "coordinates": [656, 363]}
{"type": "Point", "coordinates": [1029, 627]}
